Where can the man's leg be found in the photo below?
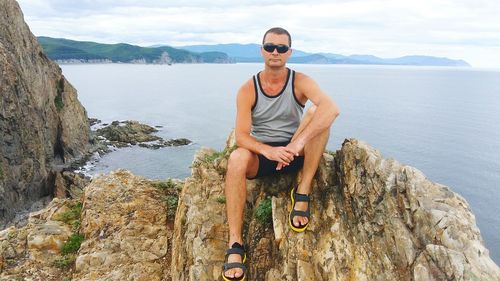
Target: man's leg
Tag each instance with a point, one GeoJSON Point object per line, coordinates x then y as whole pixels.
{"type": "Point", "coordinates": [242, 164]}
{"type": "Point", "coordinates": [313, 151]}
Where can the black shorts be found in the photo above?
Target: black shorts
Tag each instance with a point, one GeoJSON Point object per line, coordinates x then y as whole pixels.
{"type": "Point", "coordinates": [268, 167]}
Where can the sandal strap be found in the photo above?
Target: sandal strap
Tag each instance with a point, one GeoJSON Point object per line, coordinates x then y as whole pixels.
{"type": "Point", "coordinates": [232, 265]}
{"type": "Point", "coordinates": [297, 213]}
{"type": "Point", "coordinates": [236, 248]}
{"type": "Point", "coordinates": [301, 197]}
{"type": "Point", "coordinates": [239, 251]}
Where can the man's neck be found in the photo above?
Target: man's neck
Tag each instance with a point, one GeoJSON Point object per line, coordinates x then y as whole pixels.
{"type": "Point", "coordinates": [274, 75]}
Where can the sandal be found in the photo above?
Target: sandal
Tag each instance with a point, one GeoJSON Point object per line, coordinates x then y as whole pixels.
{"type": "Point", "coordinates": [236, 248]}
{"type": "Point", "coordinates": [297, 197]}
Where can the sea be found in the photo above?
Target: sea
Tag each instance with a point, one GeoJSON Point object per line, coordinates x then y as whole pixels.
{"type": "Point", "coordinates": [445, 121]}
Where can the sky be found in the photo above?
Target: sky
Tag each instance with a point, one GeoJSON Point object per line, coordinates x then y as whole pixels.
{"type": "Point", "coordinates": [457, 29]}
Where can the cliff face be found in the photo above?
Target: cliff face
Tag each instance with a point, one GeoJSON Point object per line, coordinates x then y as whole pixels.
{"type": "Point", "coordinates": [43, 125]}
{"type": "Point", "coordinates": [372, 219]}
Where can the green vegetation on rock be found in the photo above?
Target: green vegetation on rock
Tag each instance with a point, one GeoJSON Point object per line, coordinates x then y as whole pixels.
{"type": "Point", "coordinates": [65, 261]}
{"type": "Point", "coordinates": [72, 214]}
{"type": "Point", "coordinates": [209, 158]}
{"type": "Point", "coordinates": [170, 190]}
{"type": "Point", "coordinates": [263, 212]}
{"type": "Point", "coordinates": [171, 202]}
{"type": "Point", "coordinates": [221, 199]}
{"type": "Point", "coordinates": [58, 99]}
{"type": "Point", "coordinates": [163, 185]}
{"type": "Point", "coordinates": [331, 152]}
{"type": "Point", "coordinates": [73, 244]}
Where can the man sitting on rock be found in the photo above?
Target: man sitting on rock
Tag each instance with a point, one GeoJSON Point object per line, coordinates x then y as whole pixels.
{"type": "Point", "coordinates": [272, 139]}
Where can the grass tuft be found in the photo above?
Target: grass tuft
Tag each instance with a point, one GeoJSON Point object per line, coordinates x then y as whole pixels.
{"type": "Point", "coordinates": [73, 244]}
{"type": "Point", "coordinates": [73, 213]}
{"type": "Point", "coordinates": [171, 201]}
{"type": "Point", "coordinates": [263, 212]}
{"type": "Point", "coordinates": [163, 185]}
{"type": "Point", "coordinates": [221, 199]}
{"type": "Point", "coordinates": [65, 261]}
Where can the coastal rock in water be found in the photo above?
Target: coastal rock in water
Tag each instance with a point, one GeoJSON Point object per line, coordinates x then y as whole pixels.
{"type": "Point", "coordinates": [43, 125]}
{"type": "Point", "coordinates": [128, 132]}
{"type": "Point", "coordinates": [372, 219]}
{"type": "Point", "coordinates": [125, 133]}
{"type": "Point", "coordinates": [94, 121]}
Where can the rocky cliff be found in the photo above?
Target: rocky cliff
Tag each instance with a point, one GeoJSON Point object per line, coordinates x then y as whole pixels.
{"type": "Point", "coordinates": [372, 219]}
{"type": "Point", "coordinates": [43, 125]}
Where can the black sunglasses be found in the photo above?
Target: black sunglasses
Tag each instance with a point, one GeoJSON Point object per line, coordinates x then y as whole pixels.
{"type": "Point", "coordinates": [268, 47]}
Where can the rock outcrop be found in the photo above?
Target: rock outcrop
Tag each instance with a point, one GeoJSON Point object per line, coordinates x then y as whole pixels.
{"type": "Point", "coordinates": [43, 125]}
{"type": "Point", "coordinates": [30, 252]}
{"type": "Point", "coordinates": [127, 133]}
{"type": "Point", "coordinates": [372, 219]}
{"type": "Point", "coordinates": [123, 222]}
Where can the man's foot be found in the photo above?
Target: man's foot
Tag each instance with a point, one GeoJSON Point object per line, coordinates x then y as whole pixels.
{"type": "Point", "coordinates": [299, 215]}
{"type": "Point", "coordinates": [299, 221]}
{"type": "Point", "coordinates": [233, 268]}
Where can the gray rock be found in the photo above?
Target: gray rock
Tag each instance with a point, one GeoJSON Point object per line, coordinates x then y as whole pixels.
{"type": "Point", "coordinates": [127, 133]}
{"type": "Point", "coordinates": [372, 219]}
{"type": "Point", "coordinates": [44, 127]}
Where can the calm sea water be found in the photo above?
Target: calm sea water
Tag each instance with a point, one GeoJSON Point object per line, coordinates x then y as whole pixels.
{"type": "Point", "coordinates": [443, 121]}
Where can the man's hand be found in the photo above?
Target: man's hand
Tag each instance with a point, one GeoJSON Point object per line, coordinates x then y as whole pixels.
{"type": "Point", "coordinates": [294, 147]}
{"type": "Point", "coordinates": [283, 155]}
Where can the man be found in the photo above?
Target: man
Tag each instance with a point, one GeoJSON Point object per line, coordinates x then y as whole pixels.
{"type": "Point", "coordinates": [272, 139]}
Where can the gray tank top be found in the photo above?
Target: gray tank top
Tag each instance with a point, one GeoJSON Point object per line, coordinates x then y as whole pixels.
{"type": "Point", "coordinates": [276, 118]}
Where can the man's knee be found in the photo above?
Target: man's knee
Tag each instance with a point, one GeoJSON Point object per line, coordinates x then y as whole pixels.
{"type": "Point", "coordinates": [239, 159]}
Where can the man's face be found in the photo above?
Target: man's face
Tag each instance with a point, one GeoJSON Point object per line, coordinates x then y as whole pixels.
{"type": "Point", "coordinates": [274, 58]}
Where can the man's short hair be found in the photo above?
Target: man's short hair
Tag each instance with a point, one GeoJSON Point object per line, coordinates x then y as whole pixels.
{"type": "Point", "coordinates": [279, 31]}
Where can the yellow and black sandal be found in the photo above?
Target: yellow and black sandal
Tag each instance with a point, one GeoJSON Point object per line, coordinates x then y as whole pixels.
{"type": "Point", "coordinates": [239, 249]}
{"type": "Point", "coordinates": [297, 197]}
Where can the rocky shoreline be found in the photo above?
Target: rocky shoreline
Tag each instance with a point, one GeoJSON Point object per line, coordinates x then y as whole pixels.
{"type": "Point", "coordinates": [105, 138]}
{"type": "Point", "coordinates": [127, 133]}
{"type": "Point", "coordinates": [372, 219]}
{"type": "Point", "coordinates": [70, 181]}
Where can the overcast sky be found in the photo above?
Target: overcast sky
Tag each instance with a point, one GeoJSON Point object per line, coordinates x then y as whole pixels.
{"type": "Point", "coordinates": [458, 29]}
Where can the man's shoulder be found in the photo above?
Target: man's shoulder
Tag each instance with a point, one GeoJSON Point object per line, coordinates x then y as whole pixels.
{"type": "Point", "coordinates": [247, 85]}
{"type": "Point", "coordinates": [301, 78]}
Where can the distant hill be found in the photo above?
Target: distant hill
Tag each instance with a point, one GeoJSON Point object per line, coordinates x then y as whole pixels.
{"type": "Point", "coordinates": [64, 50]}
{"type": "Point", "coordinates": [251, 53]}
{"type": "Point", "coordinates": [70, 50]}
{"type": "Point", "coordinates": [235, 50]}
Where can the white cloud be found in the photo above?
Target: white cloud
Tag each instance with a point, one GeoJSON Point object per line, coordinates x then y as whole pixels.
{"type": "Point", "coordinates": [463, 29]}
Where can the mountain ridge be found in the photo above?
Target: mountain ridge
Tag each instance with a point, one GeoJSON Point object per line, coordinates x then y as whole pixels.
{"type": "Point", "coordinates": [65, 50]}
{"type": "Point", "coordinates": [251, 53]}
{"type": "Point", "coordinates": [61, 50]}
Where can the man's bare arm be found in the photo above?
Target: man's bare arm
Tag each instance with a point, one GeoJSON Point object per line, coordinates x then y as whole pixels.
{"type": "Point", "coordinates": [325, 114]}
